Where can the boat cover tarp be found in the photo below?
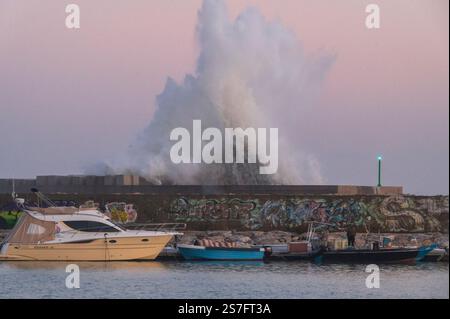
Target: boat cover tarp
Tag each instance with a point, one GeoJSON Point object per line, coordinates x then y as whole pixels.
{"type": "Point", "coordinates": [30, 230]}
{"type": "Point", "coordinates": [212, 243]}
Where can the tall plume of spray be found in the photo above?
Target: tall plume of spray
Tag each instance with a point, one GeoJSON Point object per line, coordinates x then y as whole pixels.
{"type": "Point", "coordinates": [250, 73]}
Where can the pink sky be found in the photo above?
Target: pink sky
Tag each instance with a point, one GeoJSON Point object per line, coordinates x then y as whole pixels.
{"type": "Point", "coordinates": [69, 98]}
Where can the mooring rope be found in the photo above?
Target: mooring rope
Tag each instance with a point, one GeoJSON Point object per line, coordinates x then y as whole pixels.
{"type": "Point", "coordinates": [106, 248]}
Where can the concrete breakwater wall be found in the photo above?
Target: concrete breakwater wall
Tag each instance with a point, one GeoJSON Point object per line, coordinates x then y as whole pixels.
{"type": "Point", "coordinates": [128, 184]}
{"type": "Point", "coordinates": [262, 212]}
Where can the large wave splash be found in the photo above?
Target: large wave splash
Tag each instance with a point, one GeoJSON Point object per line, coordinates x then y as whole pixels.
{"type": "Point", "coordinates": [250, 73]}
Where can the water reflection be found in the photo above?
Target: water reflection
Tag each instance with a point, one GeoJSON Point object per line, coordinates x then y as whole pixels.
{"type": "Point", "coordinates": [137, 266]}
{"type": "Point", "coordinates": [224, 263]}
{"type": "Point", "coordinates": [221, 279]}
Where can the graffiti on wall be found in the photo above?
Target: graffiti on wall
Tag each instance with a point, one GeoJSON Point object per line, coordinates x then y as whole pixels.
{"type": "Point", "coordinates": [395, 213]}
{"type": "Point", "coordinates": [121, 212]}
{"type": "Point", "coordinates": [9, 218]}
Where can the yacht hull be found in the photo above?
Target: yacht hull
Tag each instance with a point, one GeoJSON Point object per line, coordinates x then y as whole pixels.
{"type": "Point", "coordinates": [111, 249]}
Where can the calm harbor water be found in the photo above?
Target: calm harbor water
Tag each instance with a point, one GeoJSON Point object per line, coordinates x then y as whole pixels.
{"type": "Point", "coordinates": [170, 279]}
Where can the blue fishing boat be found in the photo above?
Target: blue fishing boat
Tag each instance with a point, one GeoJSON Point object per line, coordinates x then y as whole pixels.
{"type": "Point", "coordinates": [193, 252]}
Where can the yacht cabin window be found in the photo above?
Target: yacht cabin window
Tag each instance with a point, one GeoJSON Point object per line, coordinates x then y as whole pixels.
{"type": "Point", "coordinates": [90, 226]}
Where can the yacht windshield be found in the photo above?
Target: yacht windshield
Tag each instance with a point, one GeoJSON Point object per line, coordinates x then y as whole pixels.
{"type": "Point", "coordinates": [90, 226]}
{"type": "Point", "coordinates": [117, 225]}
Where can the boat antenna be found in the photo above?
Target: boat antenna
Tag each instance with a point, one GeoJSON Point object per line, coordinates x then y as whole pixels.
{"type": "Point", "coordinates": [20, 202]}
{"type": "Point", "coordinates": [42, 197]}
{"type": "Point", "coordinates": [13, 194]}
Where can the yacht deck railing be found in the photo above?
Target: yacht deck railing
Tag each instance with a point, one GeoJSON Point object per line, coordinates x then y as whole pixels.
{"type": "Point", "coordinates": [156, 226]}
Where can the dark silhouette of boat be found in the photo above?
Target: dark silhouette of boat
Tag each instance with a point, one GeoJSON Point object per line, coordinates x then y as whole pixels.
{"type": "Point", "coordinates": [288, 256]}
{"type": "Point", "coordinates": [380, 255]}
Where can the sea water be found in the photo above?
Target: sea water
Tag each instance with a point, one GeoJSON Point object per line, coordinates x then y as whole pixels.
{"type": "Point", "coordinates": [173, 279]}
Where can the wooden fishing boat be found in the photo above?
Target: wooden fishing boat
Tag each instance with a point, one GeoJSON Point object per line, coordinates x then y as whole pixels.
{"type": "Point", "coordinates": [289, 256]}
{"type": "Point", "coordinates": [284, 252]}
{"type": "Point", "coordinates": [381, 255]}
{"type": "Point", "coordinates": [193, 252]}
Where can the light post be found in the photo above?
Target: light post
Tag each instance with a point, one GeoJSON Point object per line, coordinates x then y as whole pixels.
{"type": "Point", "coordinates": [379, 170]}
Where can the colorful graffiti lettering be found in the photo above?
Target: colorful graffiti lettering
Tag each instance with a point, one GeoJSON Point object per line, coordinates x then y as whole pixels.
{"type": "Point", "coordinates": [121, 212]}
{"type": "Point", "coordinates": [212, 209]}
{"type": "Point", "coordinates": [8, 219]}
{"type": "Point", "coordinates": [394, 213]}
